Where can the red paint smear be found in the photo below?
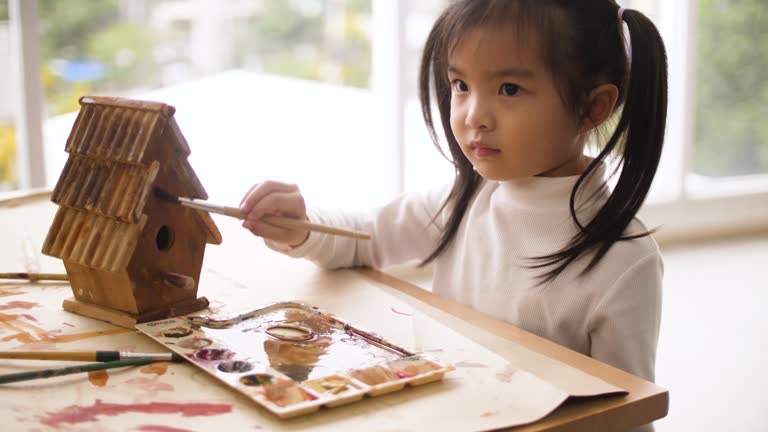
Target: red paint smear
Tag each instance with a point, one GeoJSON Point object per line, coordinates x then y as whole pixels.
{"type": "Point", "coordinates": [30, 317]}
{"type": "Point", "coordinates": [18, 305]}
{"type": "Point", "coordinates": [98, 378]}
{"type": "Point", "coordinates": [159, 428]}
{"type": "Point", "coordinates": [76, 414]}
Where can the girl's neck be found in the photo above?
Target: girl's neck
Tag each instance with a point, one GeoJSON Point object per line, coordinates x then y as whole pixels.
{"type": "Point", "coordinates": [571, 167]}
{"type": "Point", "coordinates": [553, 192]}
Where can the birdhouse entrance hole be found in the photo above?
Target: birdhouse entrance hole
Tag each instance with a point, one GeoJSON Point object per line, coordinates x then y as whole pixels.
{"type": "Point", "coordinates": [164, 239]}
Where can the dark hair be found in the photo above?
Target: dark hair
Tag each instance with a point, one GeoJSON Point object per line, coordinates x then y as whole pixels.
{"type": "Point", "coordinates": [582, 43]}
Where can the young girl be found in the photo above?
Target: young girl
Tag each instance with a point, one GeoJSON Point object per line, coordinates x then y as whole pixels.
{"type": "Point", "coordinates": [528, 232]}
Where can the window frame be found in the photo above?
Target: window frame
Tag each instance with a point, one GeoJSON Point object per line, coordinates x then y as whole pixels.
{"type": "Point", "coordinates": [25, 56]}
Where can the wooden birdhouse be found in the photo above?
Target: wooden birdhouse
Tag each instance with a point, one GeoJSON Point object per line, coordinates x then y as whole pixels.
{"type": "Point", "coordinates": [131, 256]}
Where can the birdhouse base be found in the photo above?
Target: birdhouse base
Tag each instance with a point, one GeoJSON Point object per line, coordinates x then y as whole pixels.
{"type": "Point", "coordinates": [128, 320]}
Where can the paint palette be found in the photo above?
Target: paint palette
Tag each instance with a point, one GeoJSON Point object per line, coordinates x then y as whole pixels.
{"type": "Point", "coordinates": [292, 358]}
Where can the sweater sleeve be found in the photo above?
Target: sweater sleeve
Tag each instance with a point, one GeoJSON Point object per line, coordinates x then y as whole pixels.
{"type": "Point", "coordinates": [401, 231]}
{"type": "Point", "coordinates": [624, 327]}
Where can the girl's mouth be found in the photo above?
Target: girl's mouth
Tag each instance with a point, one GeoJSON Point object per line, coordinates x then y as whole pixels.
{"type": "Point", "coordinates": [483, 151]}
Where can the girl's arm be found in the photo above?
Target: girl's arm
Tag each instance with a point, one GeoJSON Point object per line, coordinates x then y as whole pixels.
{"type": "Point", "coordinates": [401, 231]}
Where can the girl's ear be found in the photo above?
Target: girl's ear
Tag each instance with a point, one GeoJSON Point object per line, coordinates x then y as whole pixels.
{"type": "Point", "coordinates": [600, 106]}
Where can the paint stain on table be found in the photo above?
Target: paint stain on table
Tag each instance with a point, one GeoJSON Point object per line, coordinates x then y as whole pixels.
{"type": "Point", "coordinates": [98, 378]}
{"type": "Point", "coordinates": [75, 414]}
{"type": "Point", "coordinates": [18, 305]}
{"type": "Point", "coordinates": [27, 333]}
{"type": "Point", "coordinates": [149, 385]}
{"type": "Point", "coordinates": [506, 374]}
{"type": "Point", "coordinates": [159, 368]}
{"type": "Point", "coordinates": [160, 428]}
{"type": "Point", "coordinates": [12, 291]}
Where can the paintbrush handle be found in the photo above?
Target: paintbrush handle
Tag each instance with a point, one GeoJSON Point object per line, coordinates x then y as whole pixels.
{"type": "Point", "coordinates": [50, 355]}
{"type": "Point", "coordinates": [284, 222]}
{"type": "Point", "coordinates": [35, 276]}
{"type": "Point", "coordinates": [48, 373]}
{"type": "Point", "coordinates": [279, 221]}
{"type": "Point", "coordinates": [100, 356]}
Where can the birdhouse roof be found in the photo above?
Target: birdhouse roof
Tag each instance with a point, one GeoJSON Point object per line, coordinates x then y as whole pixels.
{"type": "Point", "coordinates": [114, 160]}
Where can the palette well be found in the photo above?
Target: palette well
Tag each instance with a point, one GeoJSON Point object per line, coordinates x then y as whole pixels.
{"type": "Point", "coordinates": [293, 359]}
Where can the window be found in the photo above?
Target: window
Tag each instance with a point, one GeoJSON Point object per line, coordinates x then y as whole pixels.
{"type": "Point", "coordinates": [730, 136]}
{"type": "Point", "coordinates": [294, 90]}
{"type": "Point", "coordinates": [217, 61]}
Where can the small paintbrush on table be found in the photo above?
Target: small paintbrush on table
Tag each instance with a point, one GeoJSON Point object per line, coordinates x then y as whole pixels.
{"type": "Point", "coordinates": [279, 221]}
{"type": "Point", "coordinates": [99, 356]}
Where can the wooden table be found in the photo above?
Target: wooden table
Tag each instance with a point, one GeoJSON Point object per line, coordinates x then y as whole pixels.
{"type": "Point", "coordinates": [242, 270]}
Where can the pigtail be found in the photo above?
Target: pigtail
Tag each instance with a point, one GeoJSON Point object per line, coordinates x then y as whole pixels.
{"type": "Point", "coordinates": [641, 126]}
{"type": "Point", "coordinates": [432, 71]}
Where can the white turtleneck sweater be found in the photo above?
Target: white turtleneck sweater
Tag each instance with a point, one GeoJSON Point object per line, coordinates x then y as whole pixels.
{"type": "Point", "coordinates": [611, 313]}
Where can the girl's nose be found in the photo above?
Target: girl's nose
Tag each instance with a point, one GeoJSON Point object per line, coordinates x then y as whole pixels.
{"type": "Point", "coordinates": [480, 115]}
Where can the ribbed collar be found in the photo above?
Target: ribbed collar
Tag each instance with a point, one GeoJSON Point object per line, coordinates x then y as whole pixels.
{"type": "Point", "coordinates": [552, 193]}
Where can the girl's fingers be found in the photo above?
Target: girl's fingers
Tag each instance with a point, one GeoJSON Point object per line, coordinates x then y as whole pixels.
{"type": "Point", "coordinates": [274, 198]}
{"type": "Point", "coordinates": [247, 194]}
{"type": "Point", "coordinates": [280, 235]}
{"type": "Point", "coordinates": [290, 204]}
{"type": "Point", "coordinates": [261, 190]}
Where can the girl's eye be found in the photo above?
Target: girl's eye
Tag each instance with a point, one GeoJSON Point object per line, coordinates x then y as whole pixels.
{"type": "Point", "coordinates": [509, 89]}
{"type": "Point", "coordinates": [460, 86]}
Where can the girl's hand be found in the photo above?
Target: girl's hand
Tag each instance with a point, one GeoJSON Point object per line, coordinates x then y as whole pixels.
{"type": "Point", "coordinates": [279, 199]}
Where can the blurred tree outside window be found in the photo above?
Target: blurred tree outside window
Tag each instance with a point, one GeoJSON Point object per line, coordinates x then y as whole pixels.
{"type": "Point", "coordinates": [731, 132]}
{"type": "Point", "coordinates": [118, 47]}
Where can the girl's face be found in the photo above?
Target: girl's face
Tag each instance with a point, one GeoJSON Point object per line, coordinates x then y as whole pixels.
{"type": "Point", "coordinates": [506, 112]}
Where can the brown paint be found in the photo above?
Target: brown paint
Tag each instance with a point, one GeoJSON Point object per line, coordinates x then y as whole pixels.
{"type": "Point", "coordinates": [159, 368]}
{"type": "Point", "coordinates": [86, 335]}
{"type": "Point", "coordinates": [374, 375]}
{"type": "Point", "coordinates": [25, 332]}
{"type": "Point", "coordinates": [98, 378]}
{"type": "Point", "coordinates": [12, 291]}
{"type": "Point", "coordinates": [284, 393]}
{"type": "Point", "coordinates": [412, 366]}
{"type": "Point", "coordinates": [29, 334]}
{"type": "Point", "coordinates": [149, 385]}
{"type": "Point", "coordinates": [506, 374]}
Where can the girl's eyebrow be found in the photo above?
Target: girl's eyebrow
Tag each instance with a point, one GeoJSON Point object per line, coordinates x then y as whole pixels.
{"type": "Point", "coordinates": [513, 71]}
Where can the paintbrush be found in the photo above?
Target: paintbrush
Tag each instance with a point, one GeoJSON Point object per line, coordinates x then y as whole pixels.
{"type": "Point", "coordinates": [99, 356]}
{"type": "Point", "coordinates": [35, 276]}
{"type": "Point", "coordinates": [48, 373]}
{"type": "Point", "coordinates": [279, 221]}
